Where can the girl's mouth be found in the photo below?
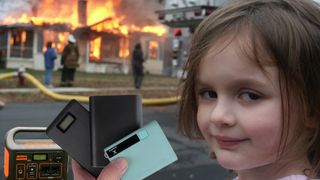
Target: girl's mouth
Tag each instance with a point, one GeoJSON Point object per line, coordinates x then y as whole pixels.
{"type": "Point", "coordinates": [227, 142]}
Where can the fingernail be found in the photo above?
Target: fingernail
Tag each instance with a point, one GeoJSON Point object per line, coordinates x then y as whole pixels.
{"type": "Point", "coordinates": [121, 164]}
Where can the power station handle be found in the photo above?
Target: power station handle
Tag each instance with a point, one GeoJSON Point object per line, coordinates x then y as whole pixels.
{"type": "Point", "coordinates": [12, 132]}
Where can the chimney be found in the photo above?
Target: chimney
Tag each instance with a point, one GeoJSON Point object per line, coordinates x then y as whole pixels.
{"type": "Point", "coordinates": [34, 9]}
{"type": "Point", "coordinates": [82, 12]}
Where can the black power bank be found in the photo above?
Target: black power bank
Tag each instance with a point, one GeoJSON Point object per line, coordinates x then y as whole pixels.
{"type": "Point", "coordinates": [112, 118]}
{"type": "Point", "coordinates": [71, 131]}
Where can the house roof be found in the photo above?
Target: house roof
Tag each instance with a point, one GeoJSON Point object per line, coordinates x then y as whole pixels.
{"type": "Point", "coordinates": [93, 30]}
{"type": "Point", "coordinates": [54, 27]}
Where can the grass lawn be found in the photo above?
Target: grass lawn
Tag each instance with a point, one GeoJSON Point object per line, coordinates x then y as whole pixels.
{"type": "Point", "coordinates": [168, 85]}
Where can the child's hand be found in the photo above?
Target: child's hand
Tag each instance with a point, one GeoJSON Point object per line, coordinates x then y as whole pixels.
{"type": "Point", "coordinates": [112, 171]}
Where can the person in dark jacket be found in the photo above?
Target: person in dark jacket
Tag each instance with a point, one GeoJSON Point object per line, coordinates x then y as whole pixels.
{"type": "Point", "coordinates": [50, 56]}
{"type": "Point", "coordinates": [69, 61]}
{"type": "Point", "coordinates": [137, 65]}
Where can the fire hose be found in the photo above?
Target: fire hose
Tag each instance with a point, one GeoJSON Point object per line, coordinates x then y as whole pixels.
{"type": "Point", "coordinates": [84, 99]}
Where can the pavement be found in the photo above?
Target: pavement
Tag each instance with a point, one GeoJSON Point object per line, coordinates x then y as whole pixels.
{"type": "Point", "coordinates": [193, 161]}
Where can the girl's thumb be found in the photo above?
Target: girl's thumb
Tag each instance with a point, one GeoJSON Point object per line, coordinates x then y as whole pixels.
{"type": "Point", "coordinates": [114, 170]}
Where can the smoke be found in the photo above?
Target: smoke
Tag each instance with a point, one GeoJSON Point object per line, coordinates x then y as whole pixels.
{"type": "Point", "coordinates": [139, 12]}
{"type": "Point", "coordinates": [15, 8]}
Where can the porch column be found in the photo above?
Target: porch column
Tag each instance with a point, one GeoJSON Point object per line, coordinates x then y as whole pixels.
{"type": "Point", "coordinates": [87, 52]}
{"type": "Point", "coordinates": [8, 45]}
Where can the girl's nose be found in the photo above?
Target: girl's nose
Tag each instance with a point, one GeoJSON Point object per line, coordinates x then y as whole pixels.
{"type": "Point", "coordinates": [222, 114]}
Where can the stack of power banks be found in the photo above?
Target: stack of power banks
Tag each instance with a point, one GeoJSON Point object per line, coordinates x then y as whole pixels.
{"type": "Point", "coordinates": [111, 128]}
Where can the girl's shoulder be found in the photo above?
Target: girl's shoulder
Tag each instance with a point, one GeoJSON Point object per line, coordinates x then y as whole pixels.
{"type": "Point", "coordinates": [296, 177]}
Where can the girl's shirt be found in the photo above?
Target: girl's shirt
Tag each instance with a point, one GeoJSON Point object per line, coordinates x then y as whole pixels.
{"type": "Point", "coordinates": [294, 177]}
{"type": "Point", "coordinates": [291, 177]}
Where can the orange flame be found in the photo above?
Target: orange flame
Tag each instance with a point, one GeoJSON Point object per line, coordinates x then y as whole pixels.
{"type": "Point", "coordinates": [153, 49]}
{"type": "Point", "coordinates": [102, 16]}
{"type": "Point", "coordinates": [98, 12]}
{"type": "Point", "coordinates": [48, 15]}
{"type": "Point", "coordinates": [11, 40]}
{"type": "Point", "coordinates": [23, 37]}
{"type": "Point", "coordinates": [53, 12]}
{"type": "Point", "coordinates": [95, 48]}
{"type": "Point", "coordinates": [124, 48]}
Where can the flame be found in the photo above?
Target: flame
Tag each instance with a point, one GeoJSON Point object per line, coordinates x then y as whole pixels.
{"type": "Point", "coordinates": [98, 12]}
{"type": "Point", "coordinates": [101, 16]}
{"type": "Point", "coordinates": [124, 48]}
{"type": "Point", "coordinates": [53, 12]}
{"type": "Point", "coordinates": [62, 37]}
{"type": "Point", "coordinates": [153, 49]}
{"type": "Point", "coordinates": [110, 25]}
{"type": "Point", "coordinates": [48, 16]}
{"type": "Point", "coordinates": [159, 30]}
{"type": "Point", "coordinates": [58, 39]}
{"type": "Point", "coordinates": [95, 45]}
{"type": "Point", "coordinates": [23, 37]}
{"type": "Point", "coordinates": [11, 40]}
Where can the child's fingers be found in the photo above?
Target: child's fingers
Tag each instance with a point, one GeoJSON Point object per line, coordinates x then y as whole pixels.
{"type": "Point", "coordinates": [79, 173]}
{"type": "Point", "coordinates": [114, 170]}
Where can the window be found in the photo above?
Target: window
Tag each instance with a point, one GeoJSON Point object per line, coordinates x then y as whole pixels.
{"type": "Point", "coordinates": [153, 50]}
{"type": "Point", "coordinates": [21, 43]}
{"type": "Point", "coordinates": [108, 48]}
{"type": "Point", "coordinates": [95, 50]}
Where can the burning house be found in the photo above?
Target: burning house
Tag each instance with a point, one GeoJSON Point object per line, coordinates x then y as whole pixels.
{"type": "Point", "coordinates": [22, 44]}
{"type": "Point", "coordinates": [105, 31]}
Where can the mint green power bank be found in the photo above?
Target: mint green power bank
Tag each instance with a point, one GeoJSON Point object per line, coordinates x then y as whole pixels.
{"type": "Point", "coordinates": [147, 150]}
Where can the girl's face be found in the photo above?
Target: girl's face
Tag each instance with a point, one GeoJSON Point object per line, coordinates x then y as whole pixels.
{"type": "Point", "coordinates": [239, 108]}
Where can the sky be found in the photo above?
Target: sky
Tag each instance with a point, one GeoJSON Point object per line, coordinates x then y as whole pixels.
{"type": "Point", "coordinates": [12, 5]}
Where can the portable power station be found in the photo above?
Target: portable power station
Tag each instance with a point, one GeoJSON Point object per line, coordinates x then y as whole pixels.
{"type": "Point", "coordinates": [33, 158]}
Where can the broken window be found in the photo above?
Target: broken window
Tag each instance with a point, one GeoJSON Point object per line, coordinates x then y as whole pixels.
{"type": "Point", "coordinates": [106, 48]}
{"type": "Point", "coordinates": [21, 43]}
{"type": "Point", "coordinates": [95, 50]}
{"type": "Point", "coordinates": [153, 50]}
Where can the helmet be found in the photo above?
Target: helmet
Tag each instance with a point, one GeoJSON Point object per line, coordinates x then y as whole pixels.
{"type": "Point", "coordinates": [72, 39]}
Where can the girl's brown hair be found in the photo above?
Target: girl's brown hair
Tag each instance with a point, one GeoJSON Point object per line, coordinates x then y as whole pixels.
{"type": "Point", "coordinates": [288, 32]}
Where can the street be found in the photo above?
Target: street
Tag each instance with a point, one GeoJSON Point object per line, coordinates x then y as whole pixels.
{"type": "Point", "coordinates": [193, 161]}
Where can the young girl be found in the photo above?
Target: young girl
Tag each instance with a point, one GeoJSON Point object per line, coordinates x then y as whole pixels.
{"type": "Point", "coordinates": [253, 88]}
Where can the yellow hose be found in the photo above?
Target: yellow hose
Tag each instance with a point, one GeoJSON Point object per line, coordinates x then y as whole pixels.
{"type": "Point", "coordinates": [52, 94]}
{"type": "Point", "coordinates": [84, 99]}
{"type": "Point", "coordinates": [8, 75]}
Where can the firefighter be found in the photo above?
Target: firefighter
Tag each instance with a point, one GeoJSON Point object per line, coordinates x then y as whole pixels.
{"type": "Point", "coordinates": [69, 61]}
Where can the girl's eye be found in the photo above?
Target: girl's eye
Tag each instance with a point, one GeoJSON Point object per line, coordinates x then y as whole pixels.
{"type": "Point", "coordinates": [249, 96]}
{"type": "Point", "coordinates": [208, 94]}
